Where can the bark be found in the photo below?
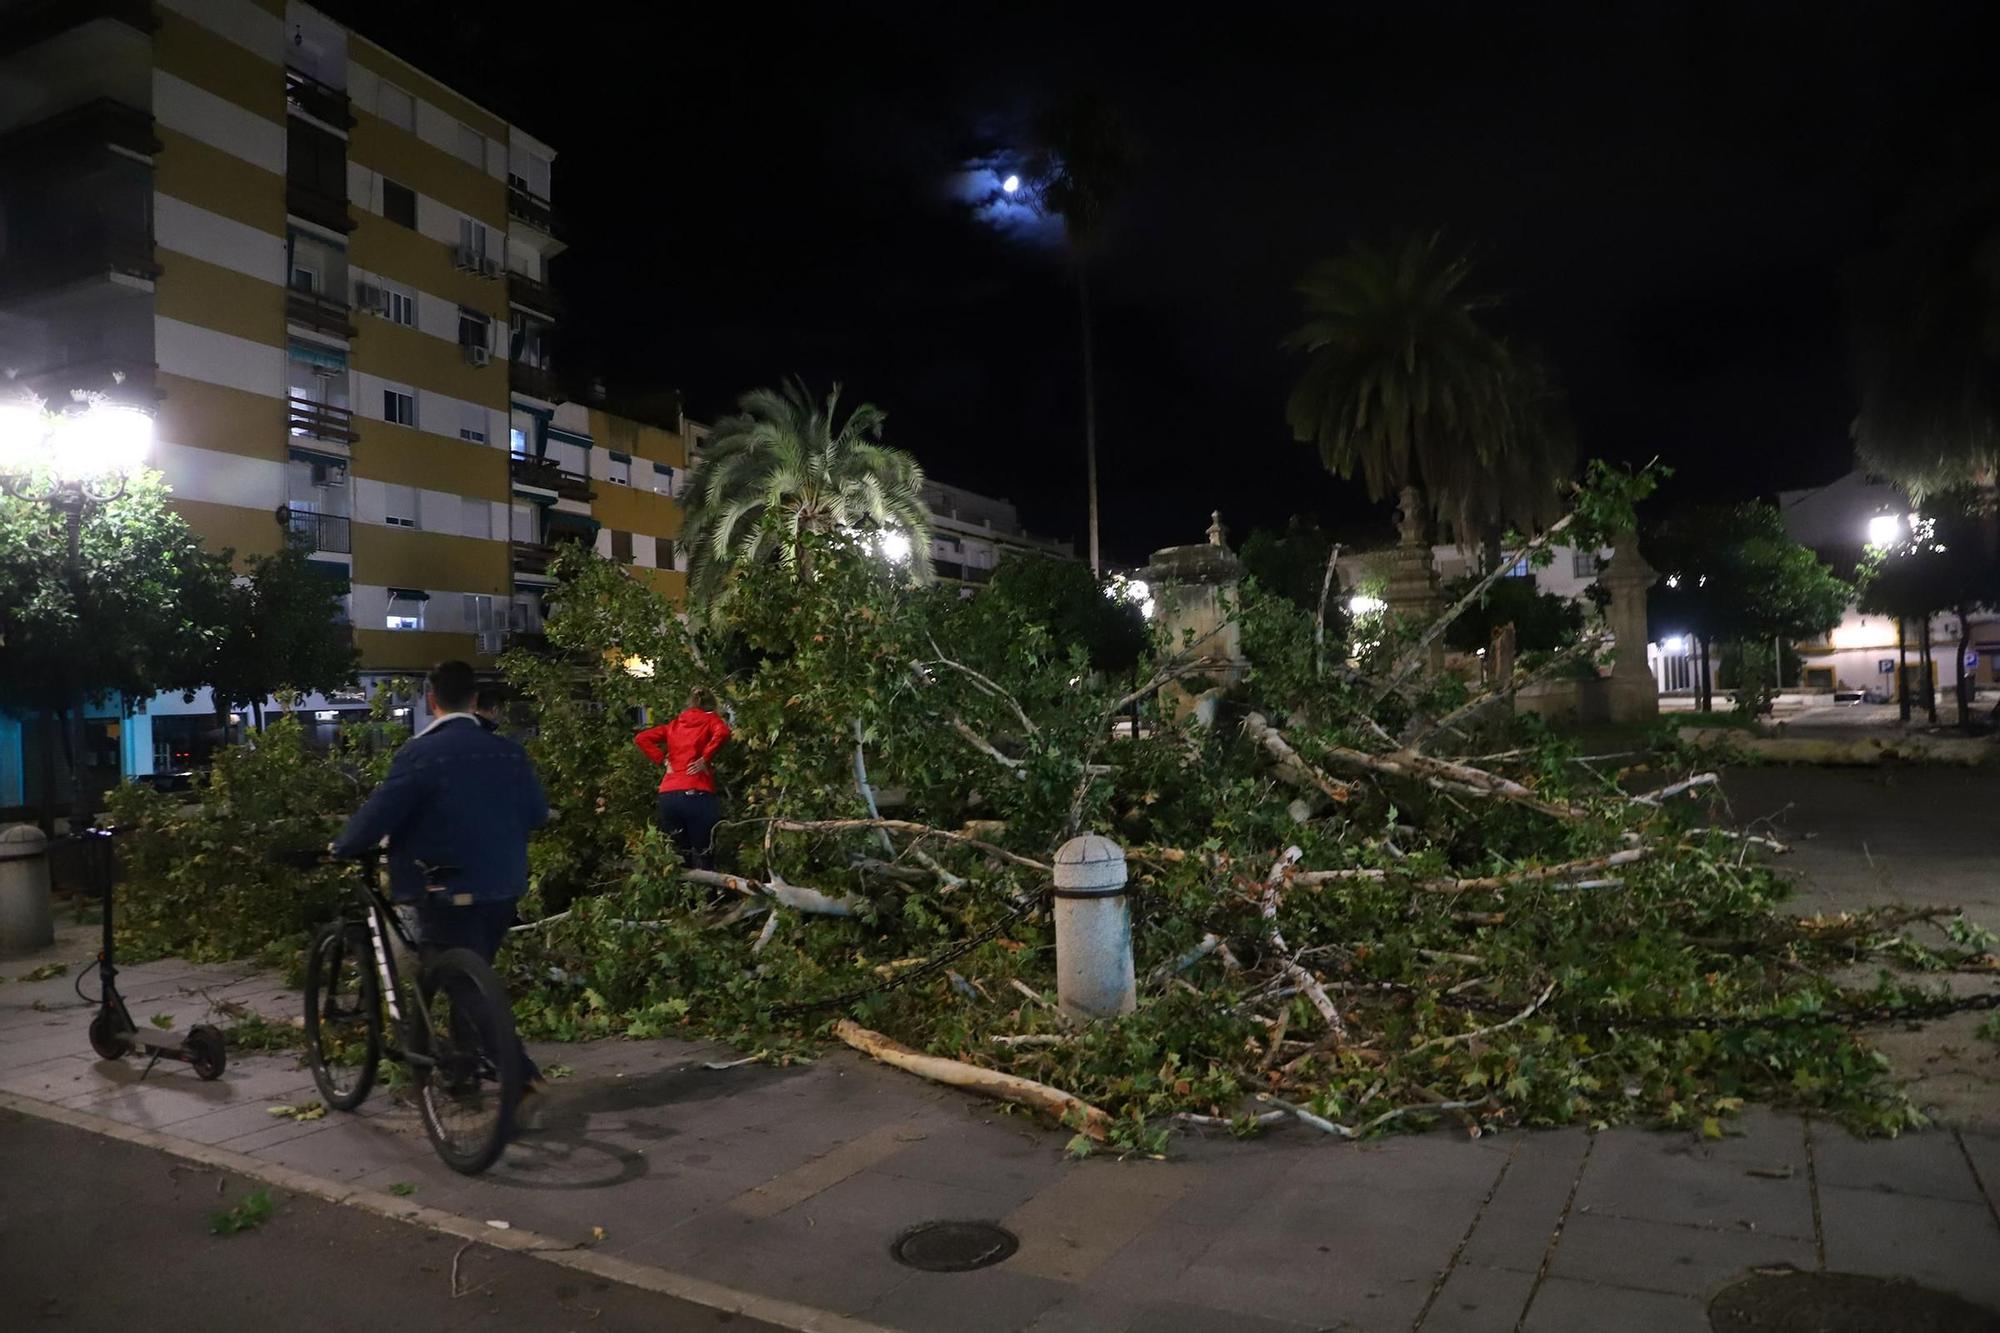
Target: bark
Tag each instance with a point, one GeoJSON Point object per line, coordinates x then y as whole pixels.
{"type": "Point", "coordinates": [1707, 681]}
{"type": "Point", "coordinates": [795, 896]}
{"type": "Point", "coordinates": [1902, 670]}
{"type": "Point", "coordinates": [1964, 645]}
{"type": "Point", "coordinates": [1930, 672]}
{"type": "Point", "coordinates": [1319, 621]}
{"type": "Point", "coordinates": [905, 826]}
{"type": "Point", "coordinates": [1291, 767]}
{"type": "Point", "coordinates": [1068, 1109]}
{"type": "Point", "coordinates": [1267, 907]}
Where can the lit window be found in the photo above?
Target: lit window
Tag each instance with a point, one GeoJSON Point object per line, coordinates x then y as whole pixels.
{"type": "Point", "coordinates": [1520, 569]}
{"type": "Point", "coordinates": [399, 407]}
{"type": "Point", "coordinates": [517, 442]}
{"type": "Point", "coordinates": [406, 608]}
{"type": "Point", "coordinates": [663, 479]}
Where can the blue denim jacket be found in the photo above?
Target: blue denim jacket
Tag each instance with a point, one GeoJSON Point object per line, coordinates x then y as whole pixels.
{"type": "Point", "coordinates": [457, 796]}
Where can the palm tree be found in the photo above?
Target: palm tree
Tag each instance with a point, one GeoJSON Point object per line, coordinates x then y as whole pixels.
{"type": "Point", "coordinates": [1927, 347]}
{"type": "Point", "coordinates": [1082, 162]}
{"type": "Point", "coordinates": [786, 466]}
{"type": "Point", "coordinates": [1402, 380]}
{"type": "Point", "coordinates": [1520, 484]}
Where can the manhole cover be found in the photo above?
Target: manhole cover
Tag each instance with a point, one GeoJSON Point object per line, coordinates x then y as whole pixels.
{"type": "Point", "coordinates": [953, 1247]}
{"type": "Point", "coordinates": [1793, 1302]}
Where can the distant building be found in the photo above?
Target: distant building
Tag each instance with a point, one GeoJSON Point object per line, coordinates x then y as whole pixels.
{"type": "Point", "coordinates": [972, 533]}
{"type": "Point", "coordinates": [1859, 654]}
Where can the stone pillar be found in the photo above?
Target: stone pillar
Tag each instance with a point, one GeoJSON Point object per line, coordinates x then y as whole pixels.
{"type": "Point", "coordinates": [1634, 692]}
{"type": "Point", "coordinates": [1194, 594]}
{"type": "Point", "coordinates": [1412, 596]}
{"type": "Point", "coordinates": [1093, 921]}
{"type": "Point", "coordinates": [27, 918]}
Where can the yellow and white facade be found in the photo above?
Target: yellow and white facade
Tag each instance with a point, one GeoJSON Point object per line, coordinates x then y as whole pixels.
{"type": "Point", "coordinates": [327, 272]}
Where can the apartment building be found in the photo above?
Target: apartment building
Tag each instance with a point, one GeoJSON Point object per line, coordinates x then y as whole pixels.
{"type": "Point", "coordinates": [972, 533]}
{"type": "Point", "coordinates": [326, 272]}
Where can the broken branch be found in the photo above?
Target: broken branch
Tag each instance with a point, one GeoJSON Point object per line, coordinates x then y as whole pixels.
{"type": "Point", "coordinates": [1068, 1109]}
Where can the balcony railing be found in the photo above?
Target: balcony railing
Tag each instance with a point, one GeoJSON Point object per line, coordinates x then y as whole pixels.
{"type": "Point", "coordinates": [532, 558]}
{"type": "Point", "coordinates": [316, 310]}
{"type": "Point", "coordinates": [547, 475]}
{"type": "Point", "coordinates": [531, 208]}
{"type": "Point", "coordinates": [536, 381]}
{"type": "Point", "coordinates": [322, 421]}
{"type": "Point", "coordinates": [322, 532]}
{"type": "Point", "coordinates": [316, 205]}
{"type": "Point", "coordinates": [523, 290]}
{"type": "Point", "coordinates": [321, 101]}
{"type": "Point", "coordinates": [94, 249]}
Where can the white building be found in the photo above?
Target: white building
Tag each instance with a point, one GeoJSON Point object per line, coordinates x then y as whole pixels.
{"type": "Point", "coordinates": [971, 533]}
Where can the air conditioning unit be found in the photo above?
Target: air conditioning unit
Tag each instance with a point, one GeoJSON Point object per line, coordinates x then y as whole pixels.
{"type": "Point", "coordinates": [475, 354]}
{"type": "Point", "coordinates": [369, 297]}
{"type": "Point", "coordinates": [489, 267]}
{"type": "Point", "coordinates": [490, 641]}
{"type": "Point", "coordinates": [467, 259]}
{"type": "Point", "coordinates": [329, 474]}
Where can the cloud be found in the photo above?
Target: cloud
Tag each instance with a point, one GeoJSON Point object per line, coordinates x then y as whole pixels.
{"type": "Point", "coordinates": [978, 185]}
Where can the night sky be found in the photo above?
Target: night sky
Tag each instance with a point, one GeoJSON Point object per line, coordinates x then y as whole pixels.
{"type": "Point", "coordinates": [1667, 196]}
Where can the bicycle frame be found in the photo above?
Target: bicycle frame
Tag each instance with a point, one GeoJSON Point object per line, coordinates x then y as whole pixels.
{"type": "Point", "coordinates": [366, 900]}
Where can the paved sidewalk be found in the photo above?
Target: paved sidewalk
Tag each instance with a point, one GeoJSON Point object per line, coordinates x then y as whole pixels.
{"type": "Point", "coordinates": [792, 1183]}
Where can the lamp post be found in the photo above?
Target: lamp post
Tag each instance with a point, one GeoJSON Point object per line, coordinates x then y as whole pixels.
{"type": "Point", "coordinates": [70, 460]}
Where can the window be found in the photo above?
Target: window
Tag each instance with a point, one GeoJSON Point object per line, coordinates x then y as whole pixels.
{"type": "Point", "coordinates": [303, 278]}
{"type": "Point", "coordinates": [472, 238]}
{"type": "Point", "coordinates": [399, 407]}
{"type": "Point", "coordinates": [471, 145]}
{"type": "Point", "coordinates": [315, 160]}
{"type": "Point", "coordinates": [406, 608]}
{"type": "Point", "coordinates": [474, 329]}
{"type": "Point", "coordinates": [517, 442]}
{"type": "Point", "coordinates": [621, 547]}
{"type": "Point", "coordinates": [399, 307]}
{"type": "Point", "coordinates": [619, 469]}
{"type": "Point", "coordinates": [530, 172]}
{"type": "Point", "coordinates": [399, 506]}
{"type": "Point", "coordinates": [479, 613]}
{"type": "Point", "coordinates": [1520, 569]}
{"type": "Point", "coordinates": [478, 518]}
{"type": "Point", "coordinates": [399, 204]}
{"type": "Point", "coordinates": [1583, 564]}
{"type": "Point", "coordinates": [473, 425]}
{"type": "Point", "coordinates": [663, 479]}
{"type": "Point", "coordinates": [397, 107]}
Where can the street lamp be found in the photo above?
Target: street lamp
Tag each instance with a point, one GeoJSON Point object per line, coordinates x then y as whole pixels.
{"type": "Point", "coordinates": [70, 460]}
{"type": "Point", "coordinates": [1883, 529]}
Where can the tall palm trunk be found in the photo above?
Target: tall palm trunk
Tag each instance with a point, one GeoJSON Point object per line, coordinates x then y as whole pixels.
{"type": "Point", "coordinates": [1089, 408]}
{"type": "Point", "coordinates": [1963, 691]}
{"type": "Point", "coordinates": [1707, 681]}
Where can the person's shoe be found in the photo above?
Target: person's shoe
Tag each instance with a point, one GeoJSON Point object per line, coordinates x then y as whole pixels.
{"type": "Point", "coordinates": [531, 1112]}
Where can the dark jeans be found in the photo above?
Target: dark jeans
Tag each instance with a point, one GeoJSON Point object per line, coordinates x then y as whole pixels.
{"type": "Point", "coordinates": [480, 927]}
{"type": "Point", "coordinates": [690, 817]}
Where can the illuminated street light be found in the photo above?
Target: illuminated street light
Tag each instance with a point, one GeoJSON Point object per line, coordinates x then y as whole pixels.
{"type": "Point", "coordinates": [894, 546]}
{"type": "Point", "coordinates": [1361, 604]}
{"type": "Point", "coordinates": [1883, 529]}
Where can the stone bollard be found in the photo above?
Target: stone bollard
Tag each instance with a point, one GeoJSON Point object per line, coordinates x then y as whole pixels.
{"type": "Point", "coordinates": [27, 922]}
{"type": "Point", "coordinates": [1093, 929]}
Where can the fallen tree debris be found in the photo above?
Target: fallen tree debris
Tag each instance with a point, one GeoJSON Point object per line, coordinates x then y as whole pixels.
{"type": "Point", "coordinates": [1063, 1107]}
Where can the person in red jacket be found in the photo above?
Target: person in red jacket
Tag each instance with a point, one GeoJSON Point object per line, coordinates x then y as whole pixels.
{"type": "Point", "coordinates": [688, 807]}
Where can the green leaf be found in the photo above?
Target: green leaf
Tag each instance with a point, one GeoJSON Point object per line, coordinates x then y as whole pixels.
{"type": "Point", "coordinates": [251, 1213]}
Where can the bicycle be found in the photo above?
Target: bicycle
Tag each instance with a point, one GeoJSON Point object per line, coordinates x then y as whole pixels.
{"type": "Point", "coordinates": [454, 1030]}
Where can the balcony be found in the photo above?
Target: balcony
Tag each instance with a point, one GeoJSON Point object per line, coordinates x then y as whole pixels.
{"type": "Point", "coordinates": [316, 205]}
{"type": "Point", "coordinates": [318, 311]}
{"type": "Point", "coordinates": [321, 421]}
{"type": "Point", "coordinates": [523, 290]}
{"type": "Point", "coordinates": [322, 101]}
{"type": "Point", "coordinates": [117, 378]}
{"type": "Point", "coordinates": [99, 125]}
{"type": "Point", "coordinates": [546, 475]}
{"type": "Point", "coordinates": [529, 207]}
{"type": "Point", "coordinates": [38, 20]}
{"type": "Point", "coordinates": [535, 381]}
{"type": "Point", "coordinates": [533, 558]}
{"type": "Point", "coordinates": [332, 533]}
{"type": "Point", "coordinates": [76, 251]}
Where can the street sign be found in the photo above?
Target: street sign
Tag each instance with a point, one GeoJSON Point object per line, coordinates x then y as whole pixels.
{"type": "Point", "coordinates": [1972, 659]}
{"type": "Point", "coordinates": [1885, 665]}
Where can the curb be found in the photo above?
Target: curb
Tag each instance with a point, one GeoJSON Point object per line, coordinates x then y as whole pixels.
{"type": "Point", "coordinates": [548, 1249]}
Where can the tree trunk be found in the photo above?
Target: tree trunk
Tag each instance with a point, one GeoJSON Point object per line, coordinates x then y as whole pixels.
{"type": "Point", "coordinates": [1902, 670]}
{"type": "Point", "coordinates": [1963, 693]}
{"type": "Point", "coordinates": [257, 713]}
{"type": "Point", "coordinates": [48, 820]}
{"type": "Point", "coordinates": [1930, 672]}
{"type": "Point", "coordinates": [1707, 682]}
{"type": "Point", "coordinates": [1489, 549]}
{"type": "Point", "coordinates": [1089, 410]}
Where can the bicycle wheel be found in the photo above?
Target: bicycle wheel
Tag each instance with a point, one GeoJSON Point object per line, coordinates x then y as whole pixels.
{"type": "Point", "coordinates": [343, 1015]}
{"type": "Point", "coordinates": [469, 1090]}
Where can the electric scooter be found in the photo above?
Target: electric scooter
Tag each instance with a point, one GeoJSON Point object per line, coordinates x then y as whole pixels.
{"type": "Point", "coordinates": [113, 1034]}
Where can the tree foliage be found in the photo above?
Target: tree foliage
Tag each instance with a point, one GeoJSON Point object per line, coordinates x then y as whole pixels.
{"type": "Point", "coordinates": [1542, 621]}
{"type": "Point", "coordinates": [788, 467]}
{"type": "Point", "coordinates": [280, 633]}
{"type": "Point", "coordinates": [1730, 572]}
{"type": "Point", "coordinates": [1075, 609]}
{"type": "Point", "coordinates": [144, 617]}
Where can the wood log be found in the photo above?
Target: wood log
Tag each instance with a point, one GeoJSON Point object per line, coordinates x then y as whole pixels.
{"type": "Point", "coordinates": [906, 826]}
{"type": "Point", "coordinates": [1291, 766]}
{"type": "Point", "coordinates": [795, 896]}
{"type": "Point", "coordinates": [1064, 1107]}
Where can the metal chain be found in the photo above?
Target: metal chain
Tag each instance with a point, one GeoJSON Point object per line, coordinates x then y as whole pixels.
{"type": "Point", "coordinates": [929, 967]}
{"type": "Point", "coordinates": [1865, 1015]}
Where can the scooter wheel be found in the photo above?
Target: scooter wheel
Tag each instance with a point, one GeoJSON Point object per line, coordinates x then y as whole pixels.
{"type": "Point", "coordinates": [107, 1039]}
{"type": "Point", "coordinates": [207, 1051]}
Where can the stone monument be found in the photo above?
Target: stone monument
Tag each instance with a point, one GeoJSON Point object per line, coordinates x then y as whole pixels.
{"type": "Point", "coordinates": [1194, 595]}
{"type": "Point", "coordinates": [1634, 694]}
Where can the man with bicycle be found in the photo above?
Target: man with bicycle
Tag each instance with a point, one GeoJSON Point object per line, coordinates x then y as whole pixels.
{"type": "Point", "coordinates": [456, 810]}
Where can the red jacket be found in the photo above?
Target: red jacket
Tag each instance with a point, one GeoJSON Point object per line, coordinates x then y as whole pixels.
{"type": "Point", "coordinates": [693, 735]}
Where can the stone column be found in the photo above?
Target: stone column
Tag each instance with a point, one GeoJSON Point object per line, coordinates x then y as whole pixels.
{"type": "Point", "coordinates": [1194, 590]}
{"type": "Point", "coordinates": [1093, 921]}
{"type": "Point", "coordinates": [1412, 596]}
{"type": "Point", "coordinates": [1635, 694]}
